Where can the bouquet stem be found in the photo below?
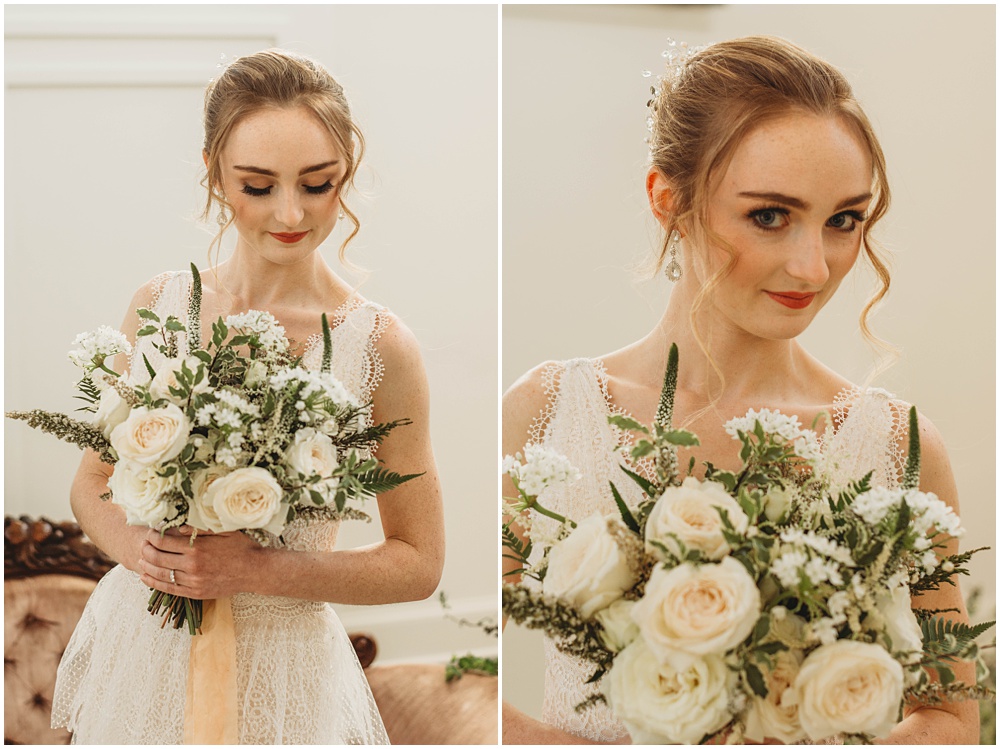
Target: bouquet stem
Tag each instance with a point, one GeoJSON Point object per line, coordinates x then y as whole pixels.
{"type": "Point", "coordinates": [178, 611]}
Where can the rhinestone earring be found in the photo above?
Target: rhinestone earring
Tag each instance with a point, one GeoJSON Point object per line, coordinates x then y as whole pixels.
{"type": "Point", "coordinates": [222, 219]}
{"type": "Point", "coordinates": [673, 269]}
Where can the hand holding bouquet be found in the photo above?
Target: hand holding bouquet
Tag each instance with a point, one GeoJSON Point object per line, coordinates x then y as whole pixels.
{"type": "Point", "coordinates": [233, 435]}
{"type": "Point", "coordinates": [769, 602]}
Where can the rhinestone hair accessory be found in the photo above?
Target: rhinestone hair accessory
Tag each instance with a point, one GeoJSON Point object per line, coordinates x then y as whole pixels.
{"type": "Point", "coordinates": [676, 57]}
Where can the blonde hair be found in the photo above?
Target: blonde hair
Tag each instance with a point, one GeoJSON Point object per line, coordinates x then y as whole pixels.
{"type": "Point", "coordinates": [724, 92]}
{"type": "Point", "coordinates": [276, 78]}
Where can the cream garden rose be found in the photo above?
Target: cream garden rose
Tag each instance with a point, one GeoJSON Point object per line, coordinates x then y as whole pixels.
{"type": "Point", "coordinates": [150, 437]}
{"type": "Point", "coordinates": [166, 378]}
{"type": "Point", "coordinates": [776, 716]}
{"type": "Point", "coordinates": [848, 687]}
{"type": "Point", "coordinates": [669, 701]}
{"type": "Point", "coordinates": [141, 492]}
{"type": "Point", "coordinates": [247, 498]}
{"type": "Point", "coordinates": [691, 512]}
{"type": "Point", "coordinates": [586, 569]}
{"type": "Point", "coordinates": [312, 452]}
{"type": "Point", "coordinates": [619, 627]}
{"type": "Point", "coordinates": [697, 609]}
{"type": "Point", "coordinates": [900, 622]}
{"type": "Point", "coordinates": [201, 513]}
{"type": "Point", "coordinates": [112, 410]}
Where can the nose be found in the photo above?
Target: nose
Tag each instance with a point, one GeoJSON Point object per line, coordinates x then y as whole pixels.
{"type": "Point", "coordinates": [808, 261]}
{"type": "Point", "coordinates": [288, 209]}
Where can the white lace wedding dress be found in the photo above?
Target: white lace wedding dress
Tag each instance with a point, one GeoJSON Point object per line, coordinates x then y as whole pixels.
{"type": "Point", "coordinates": [868, 423]}
{"type": "Point", "coordinates": [123, 679]}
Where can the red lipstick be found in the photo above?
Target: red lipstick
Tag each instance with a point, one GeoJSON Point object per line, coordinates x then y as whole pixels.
{"type": "Point", "coordinates": [792, 299]}
{"type": "Point", "coordinates": [288, 238]}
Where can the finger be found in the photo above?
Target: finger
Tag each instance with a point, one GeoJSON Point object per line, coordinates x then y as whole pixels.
{"type": "Point", "coordinates": [172, 543]}
{"type": "Point", "coordinates": [164, 559]}
{"type": "Point", "coordinates": [163, 585]}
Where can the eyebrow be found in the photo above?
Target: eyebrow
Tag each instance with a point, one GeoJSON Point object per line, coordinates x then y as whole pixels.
{"type": "Point", "coordinates": [269, 173]}
{"type": "Point", "coordinates": [791, 202]}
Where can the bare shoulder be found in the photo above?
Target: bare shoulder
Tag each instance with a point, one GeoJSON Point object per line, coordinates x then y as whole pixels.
{"type": "Point", "coordinates": [936, 474]}
{"type": "Point", "coordinates": [524, 402]}
{"type": "Point", "coordinates": [398, 347]}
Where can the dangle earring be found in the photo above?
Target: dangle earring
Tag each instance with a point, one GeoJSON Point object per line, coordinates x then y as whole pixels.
{"type": "Point", "coordinates": [223, 218]}
{"type": "Point", "coordinates": [341, 216]}
{"type": "Point", "coordinates": [673, 269]}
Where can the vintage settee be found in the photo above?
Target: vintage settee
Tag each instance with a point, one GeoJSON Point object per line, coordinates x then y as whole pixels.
{"type": "Point", "coordinates": [50, 570]}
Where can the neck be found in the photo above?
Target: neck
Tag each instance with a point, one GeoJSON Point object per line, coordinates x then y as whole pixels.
{"type": "Point", "coordinates": [248, 280]}
{"type": "Point", "coordinates": [738, 366]}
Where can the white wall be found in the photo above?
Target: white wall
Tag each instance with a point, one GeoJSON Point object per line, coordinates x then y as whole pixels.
{"type": "Point", "coordinates": [575, 215]}
{"type": "Point", "coordinates": [102, 149]}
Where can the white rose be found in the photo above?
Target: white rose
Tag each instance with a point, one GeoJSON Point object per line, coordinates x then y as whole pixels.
{"type": "Point", "coordinates": [247, 498]}
{"type": "Point", "coordinates": [669, 701]}
{"type": "Point", "coordinates": [689, 511]}
{"type": "Point", "coordinates": [587, 569]}
{"type": "Point", "coordinates": [201, 513]}
{"type": "Point", "coordinates": [151, 437]}
{"type": "Point", "coordinates": [166, 378]}
{"type": "Point", "coordinates": [900, 622]}
{"type": "Point", "coordinates": [619, 627]}
{"type": "Point", "coordinates": [776, 503]}
{"type": "Point", "coordinates": [772, 716]}
{"type": "Point", "coordinates": [848, 687]}
{"type": "Point", "coordinates": [141, 492]}
{"type": "Point", "coordinates": [112, 410]}
{"type": "Point", "coordinates": [312, 452]}
{"type": "Point", "coordinates": [698, 609]}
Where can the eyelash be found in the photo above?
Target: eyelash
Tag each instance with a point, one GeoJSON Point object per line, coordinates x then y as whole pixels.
{"type": "Point", "coordinates": [754, 216]}
{"type": "Point", "coordinates": [259, 192]}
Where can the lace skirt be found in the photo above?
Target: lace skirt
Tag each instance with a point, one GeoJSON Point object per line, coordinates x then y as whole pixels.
{"type": "Point", "coordinates": [123, 679]}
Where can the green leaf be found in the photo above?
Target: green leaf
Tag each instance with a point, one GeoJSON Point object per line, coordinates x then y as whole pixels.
{"type": "Point", "coordinates": [145, 331]}
{"type": "Point", "coordinates": [174, 325]}
{"type": "Point", "coordinates": [147, 314]}
{"type": "Point", "coordinates": [627, 423]}
{"type": "Point", "coordinates": [623, 509]}
{"type": "Point", "coordinates": [643, 482]}
{"type": "Point", "coordinates": [379, 480]}
{"type": "Point", "coordinates": [756, 680]}
{"type": "Point", "coordinates": [681, 437]}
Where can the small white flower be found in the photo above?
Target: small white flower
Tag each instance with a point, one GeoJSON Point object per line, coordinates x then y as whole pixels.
{"type": "Point", "coordinates": [100, 344]}
{"type": "Point", "coordinates": [542, 467]}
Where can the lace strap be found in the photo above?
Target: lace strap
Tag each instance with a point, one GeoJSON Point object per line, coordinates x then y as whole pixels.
{"type": "Point", "coordinates": [870, 429]}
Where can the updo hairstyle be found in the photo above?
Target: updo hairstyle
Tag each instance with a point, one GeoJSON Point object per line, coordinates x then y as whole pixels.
{"type": "Point", "coordinates": [701, 115]}
{"type": "Point", "coordinates": [270, 79]}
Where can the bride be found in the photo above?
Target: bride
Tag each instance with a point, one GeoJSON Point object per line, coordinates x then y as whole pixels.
{"type": "Point", "coordinates": [767, 180]}
{"type": "Point", "coordinates": [281, 151]}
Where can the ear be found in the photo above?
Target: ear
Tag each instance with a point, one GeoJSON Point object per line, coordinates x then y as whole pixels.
{"type": "Point", "coordinates": [661, 196]}
{"type": "Point", "coordinates": [204, 157]}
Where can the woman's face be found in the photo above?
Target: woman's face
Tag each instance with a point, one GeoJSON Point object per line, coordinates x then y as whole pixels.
{"type": "Point", "coordinates": [791, 204]}
{"type": "Point", "coordinates": [281, 172]}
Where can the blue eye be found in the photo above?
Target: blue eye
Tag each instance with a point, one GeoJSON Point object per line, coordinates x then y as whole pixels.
{"type": "Point", "coordinates": [847, 221]}
{"type": "Point", "coordinates": [768, 219]}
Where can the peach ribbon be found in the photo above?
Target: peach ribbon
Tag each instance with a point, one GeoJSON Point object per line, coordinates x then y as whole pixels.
{"type": "Point", "coordinates": [210, 710]}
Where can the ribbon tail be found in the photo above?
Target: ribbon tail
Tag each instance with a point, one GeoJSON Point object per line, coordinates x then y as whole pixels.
{"type": "Point", "coordinates": [210, 708]}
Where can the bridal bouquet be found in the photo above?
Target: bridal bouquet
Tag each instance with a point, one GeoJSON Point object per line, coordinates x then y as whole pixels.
{"type": "Point", "coordinates": [231, 436]}
{"type": "Point", "coordinates": [767, 602]}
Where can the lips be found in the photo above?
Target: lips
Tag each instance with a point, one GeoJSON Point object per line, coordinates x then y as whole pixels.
{"type": "Point", "coordinates": [288, 238]}
{"type": "Point", "coordinates": [792, 299]}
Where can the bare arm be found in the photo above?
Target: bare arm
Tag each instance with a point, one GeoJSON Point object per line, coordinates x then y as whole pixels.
{"type": "Point", "coordinates": [950, 722]}
{"type": "Point", "coordinates": [521, 404]}
{"type": "Point", "coordinates": [405, 566]}
{"type": "Point", "coordinates": [104, 522]}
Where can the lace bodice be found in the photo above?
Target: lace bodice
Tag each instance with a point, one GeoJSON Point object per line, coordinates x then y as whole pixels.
{"type": "Point", "coordinates": [298, 678]}
{"type": "Point", "coordinates": [865, 436]}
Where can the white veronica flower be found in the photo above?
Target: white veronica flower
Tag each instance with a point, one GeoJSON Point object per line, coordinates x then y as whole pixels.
{"type": "Point", "coordinates": [99, 344]}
